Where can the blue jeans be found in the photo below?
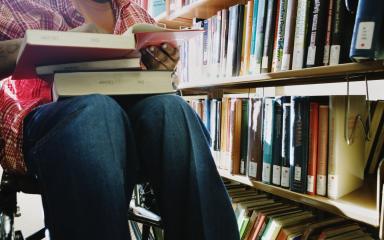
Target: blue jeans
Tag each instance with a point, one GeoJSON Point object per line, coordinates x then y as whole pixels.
{"type": "Point", "coordinates": [87, 153]}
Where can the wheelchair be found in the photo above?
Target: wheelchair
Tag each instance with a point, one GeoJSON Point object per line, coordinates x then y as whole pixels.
{"type": "Point", "coordinates": [144, 223]}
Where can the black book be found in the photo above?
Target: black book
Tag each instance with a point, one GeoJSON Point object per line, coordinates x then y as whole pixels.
{"type": "Point", "coordinates": [285, 145]}
{"type": "Point", "coordinates": [216, 144]}
{"type": "Point", "coordinates": [299, 143]}
{"type": "Point", "coordinates": [244, 136]}
{"type": "Point", "coordinates": [270, 26]}
{"type": "Point", "coordinates": [316, 33]}
{"type": "Point", "coordinates": [239, 40]}
{"type": "Point", "coordinates": [276, 157]}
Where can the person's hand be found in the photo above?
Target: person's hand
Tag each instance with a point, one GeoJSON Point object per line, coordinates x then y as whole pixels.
{"type": "Point", "coordinates": [8, 54]}
{"type": "Point", "coordinates": [163, 57]}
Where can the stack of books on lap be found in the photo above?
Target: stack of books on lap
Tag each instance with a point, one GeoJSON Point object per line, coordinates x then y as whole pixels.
{"type": "Point", "coordinates": [86, 63]}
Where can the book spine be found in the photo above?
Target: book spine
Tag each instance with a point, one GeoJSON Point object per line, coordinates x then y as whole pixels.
{"type": "Point", "coordinates": [235, 138]}
{"type": "Point", "coordinates": [313, 144]}
{"type": "Point", "coordinates": [367, 39]}
{"type": "Point", "coordinates": [205, 45]}
{"type": "Point", "coordinates": [289, 35]}
{"type": "Point", "coordinates": [285, 149]}
{"type": "Point", "coordinates": [322, 154]}
{"type": "Point", "coordinates": [224, 41]}
{"type": "Point", "coordinates": [276, 158]}
{"type": "Point", "coordinates": [217, 142]}
{"type": "Point", "coordinates": [299, 143]}
{"type": "Point", "coordinates": [217, 45]}
{"type": "Point", "coordinates": [244, 136]}
{"type": "Point", "coordinates": [279, 40]}
{"type": "Point", "coordinates": [224, 126]}
{"type": "Point", "coordinates": [252, 58]}
{"type": "Point", "coordinates": [268, 134]}
{"type": "Point", "coordinates": [337, 28]}
{"type": "Point", "coordinates": [212, 122]}
{"type": "Point", "coordinates": [299, 46]}
{"type": "Point", "coordinates": [255, 142]}
{"type": "Point", "coordinates": [328, 33]}
{"type": "Point", "coordinates": [232, 40]}
{"type": "Point", "coordinates": [317, 34]}
{"type": "Point", "coordinates": [260, 32]}
{"type": "Point", "coordinates": [240, 41]}
{"type": "Point", "coordinates": [248, 37]}
{"type": "Point", "coordinates": [266, 61]}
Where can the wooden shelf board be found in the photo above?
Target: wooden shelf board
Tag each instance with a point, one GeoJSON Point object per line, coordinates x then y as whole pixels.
{"type": "Point", "coordinates": [325, 74]}
{"type": "Point", "coordinates": [359, 205]}
{"type": "Point", "coordinates": [202, 9]}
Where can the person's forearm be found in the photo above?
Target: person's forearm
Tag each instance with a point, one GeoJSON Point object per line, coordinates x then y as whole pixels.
{"type": "Point", "coordinates": [8, 54]}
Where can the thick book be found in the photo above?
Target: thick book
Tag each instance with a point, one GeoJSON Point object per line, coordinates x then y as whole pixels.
{"type": "Point", "coordinates": [239, 40]}
{"type": "Point", "coordinates": [252, 58]}
{"type": "Point", "coordinates": [277, 56]}
{"type": "Point", "coordinates": [289, 35]}
{"type": "Point", "coordinates": [277, 125]}
{"type": "Point", "coordinates": [234, 134]}
{"type": "Point", "coordinates": [255, 141]}
{"type": "Point", "coordinates": [328, 33]}
{"type": "Point", "coordinates": [248, 37]}
{"type": "Point", "coordinates": [313, 147]}
{"type": "Point", "coordinates": [316, 36]}
{"type": "Point", "coordinates": [345, 158]}
{"type": "Point", "coordinates": [114, 64]}
{"type": "Point", "coordinates": [299, 46]}
{"type": "Point", "coordinates": [299, 143]}
{"type": "Point", "coordinates": [322, 151]}
{"type": "Point", "coordinates": [268, 139]}
{"type": "Point", "coordinates": [244, 136]}
{"type": "Point", "coordinates": [285, 145]}
{"type": "Point", "coordinates": [112, 83]}
{"type": "Point", "coordinates": [260, 32]}
{"type": "Point", "coordinates": [367, 39]}
{"type": "Point", "coordinates": [270, 26]}
{"type": "Point", "coordinates": [43, 47]}
{"type": "Point", "coordinates": [233, 25]}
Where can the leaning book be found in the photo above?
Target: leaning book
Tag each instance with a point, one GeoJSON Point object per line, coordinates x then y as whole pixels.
{"type": "Point", "coordinates": [43, 47]}
{"type": "Point", "coordinates": [112, 83]}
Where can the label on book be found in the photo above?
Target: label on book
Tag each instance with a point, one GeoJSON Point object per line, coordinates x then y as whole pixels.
{"type": "Point", "coordinates": [365, 35]}
{"type": "Point", "coordinates": [311, 184]}
{"type": "Point", "coordinates": [252, 171]}
{"type": "Point", "coordinates": [276, 174]}
{"type": "Point", "coordinates": [297, 61]}
{"type": "Point", "coordinates": [297, 173]}
{"type": "Point", "coordinates": [285, 62]}
{"type": "Point", "coordinates": [264, 62]}
{"type": "Point", "coordinates": [334, 57]}
{"type": "Point", "coordinates": [332, 185]}
{"type": "Point", "coordinates": [242, 167]}
{"type": "Point", "coordinates": [266, 176]}
{"type": "Point", "coordinates": [326, 55]}
{"type": "Point", "coordinates": [311, 55]}
{"type": "Point", "coordinates": [285, 176]}
{"type": "Point", "coordinates": [321, 188]}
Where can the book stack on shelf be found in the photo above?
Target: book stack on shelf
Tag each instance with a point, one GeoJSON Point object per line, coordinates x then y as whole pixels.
{"type": "Point", "coordinates": [273, 36]}
{"type": "Point", "coordinates": [295, 142]}
{"type": "Point", "coordinates": [262, 216]}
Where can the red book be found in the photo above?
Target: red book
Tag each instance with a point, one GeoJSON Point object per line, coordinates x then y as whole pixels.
{"type": "Point", "coordinates": [313, 143]}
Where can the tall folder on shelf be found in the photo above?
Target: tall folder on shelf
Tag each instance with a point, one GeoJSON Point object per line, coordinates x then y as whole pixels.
{"type": "Point", "coordinates": [367, 38]}
{"type": "Point", "coordinates": [345, 159]}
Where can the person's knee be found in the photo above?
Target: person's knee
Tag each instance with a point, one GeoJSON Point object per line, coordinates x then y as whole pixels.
{"type": "Point", "coordinates": [162, 104]}
{"type": "Point", "coordinates": [99, 106]}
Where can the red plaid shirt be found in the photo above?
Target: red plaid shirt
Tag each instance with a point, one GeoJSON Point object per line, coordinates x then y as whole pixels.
{"type": "Point", "coordinates": [18, 98]}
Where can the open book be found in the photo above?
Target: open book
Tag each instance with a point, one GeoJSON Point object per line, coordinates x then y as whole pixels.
{"type": "Point", "coordinates": [42, 47]}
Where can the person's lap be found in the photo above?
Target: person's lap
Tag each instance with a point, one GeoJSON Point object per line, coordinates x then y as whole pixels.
{"type": "Point", "coordinates": [88, 152]}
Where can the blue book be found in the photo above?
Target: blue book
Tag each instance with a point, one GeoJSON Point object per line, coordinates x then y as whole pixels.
{"type": "Point", "coordinates": [299, 143]}
{"type": "Point", "coordinates": [367, 38]}
{"type": "Point", "coordinates": [253, 39]}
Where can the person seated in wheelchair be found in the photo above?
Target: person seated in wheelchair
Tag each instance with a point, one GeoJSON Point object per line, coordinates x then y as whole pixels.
{"type": "Point", "coordinates": [88, 152]}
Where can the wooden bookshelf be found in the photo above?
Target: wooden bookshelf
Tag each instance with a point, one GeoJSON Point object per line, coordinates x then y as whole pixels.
{"type": "Point", "coordinates": [359, 205]}
{"type": "Point", "coordinates": [316, 75]}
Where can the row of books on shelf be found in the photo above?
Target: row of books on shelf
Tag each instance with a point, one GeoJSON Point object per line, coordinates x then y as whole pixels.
{"type": "Point", "coordinates": [270, 36]}
{"type": "Point", "coordinates": [261, 216]}
{"type": "Point", "coordinates": [295, 142]}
